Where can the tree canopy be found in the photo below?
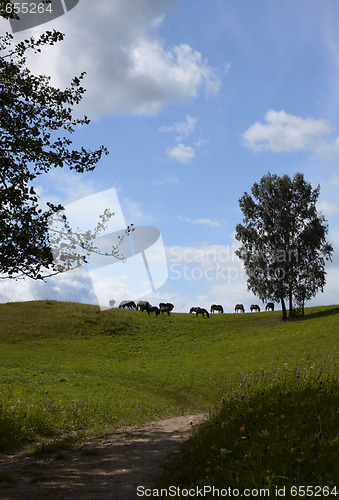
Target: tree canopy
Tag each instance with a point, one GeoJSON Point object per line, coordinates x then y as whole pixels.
{"type": "Point", "coordinates": [283, 240]}
{"type": "Point", "coordinates": [36, 124]}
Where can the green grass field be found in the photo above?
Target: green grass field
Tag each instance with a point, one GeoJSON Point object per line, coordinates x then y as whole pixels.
{"type": "Point", "coordinates": [69, 368]}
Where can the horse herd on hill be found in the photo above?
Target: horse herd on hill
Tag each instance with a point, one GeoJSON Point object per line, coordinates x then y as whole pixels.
{"type": "Point", "coordinates": [144, 305]}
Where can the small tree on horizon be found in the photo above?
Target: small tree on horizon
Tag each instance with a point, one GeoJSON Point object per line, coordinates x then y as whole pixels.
{"type": "Point", "coordinates": [283, 239]}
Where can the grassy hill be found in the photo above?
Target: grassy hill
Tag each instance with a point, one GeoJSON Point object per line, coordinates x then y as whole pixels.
{"type": "Point", "coordinates": [67, 367]}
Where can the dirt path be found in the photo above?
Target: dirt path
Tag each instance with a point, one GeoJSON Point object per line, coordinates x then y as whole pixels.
{"type": "Point", "coordinates": [109, 468]}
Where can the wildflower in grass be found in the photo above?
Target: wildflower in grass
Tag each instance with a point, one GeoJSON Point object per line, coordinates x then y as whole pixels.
{"type": "Point", "coordinates": [242, 429]}
{"type": "Point", "coordinates": [282, 417]}
{"type": "Point", "coordinates": [298, 374]}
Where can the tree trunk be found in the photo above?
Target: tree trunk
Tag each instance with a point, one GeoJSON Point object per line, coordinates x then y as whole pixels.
{"type": "Point", "coordinates": [284, 317]}
{"type": "Point", "coordinates": [290, 305]}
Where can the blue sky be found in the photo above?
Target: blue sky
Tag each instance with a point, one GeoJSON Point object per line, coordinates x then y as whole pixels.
{"type": "Point", "coordinates": [196, 101]}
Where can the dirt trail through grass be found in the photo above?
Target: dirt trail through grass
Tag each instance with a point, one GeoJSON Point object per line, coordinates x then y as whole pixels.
{"type": "Point", "coordinates": [108, 468]}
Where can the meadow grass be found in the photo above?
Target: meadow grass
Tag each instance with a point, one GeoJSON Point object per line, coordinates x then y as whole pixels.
{"type": "Point", "coordinates": [69, 369]}
{"type": "Point", "coordinates": [277, 428]}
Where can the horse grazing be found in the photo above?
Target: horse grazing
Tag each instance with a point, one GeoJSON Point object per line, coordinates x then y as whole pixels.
{"type": "Point", "coordinates": [143, 305]}
{"type": "Point", "coordinates": [112, 303]}
{"type": "Point", "coordinates": [168, 305]}
{"type": "Point", "coordinates": [199, 310]}
{"type": "Point", "coordinates": [218, 308]}
{"type": "Point", "coordinates": [255, 307]}
{"type": "Point", "coordinates": [155, 309]}
{"type": "Point", "coordinates": [239, 307]}
{"type": "Point", "coordinates": [127, 304]}
{"type": "Point", "coordinates": [166, 308]}
{"type": "Point", "coordinates": [269, 306]}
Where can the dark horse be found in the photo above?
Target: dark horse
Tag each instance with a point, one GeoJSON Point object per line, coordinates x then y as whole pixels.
{"type": "Point", "coordinates": [128, 304]}
{"type": "Point", "coordinates": [269, 306]}
{"type": "Point", "coordinates": [165, 308]}
{"type": "Point", "coordinates": [215, 307]}
{"type": "Point", "coordinates": [239, 307]}
{"type": "Point", "coordinates": [167, 305]}
{"type": "Point", "coordinates": [199, 310]}
{"type": "Point", "coordinates": [155, 309]}
{"type": "Point", "coordinates": [255, 307]}
{"type": "Point", "coordinates": [143, 305]}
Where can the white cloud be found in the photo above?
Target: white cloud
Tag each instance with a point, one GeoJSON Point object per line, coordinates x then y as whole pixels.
{"type": "Point", "coordinates": [133, 212]}
{"type": "Point", "coordinates": [182, 128]}
{"type": "Point", "coordinates": [181, 153]}
{"type": "Point", "coordinates": [63, 186]}
{"type": "Point", "coordinates": [201, 221]}
{"type": "Point", "coordinates": [16, 291]}
{"type": "Point", "coordinates": [207, 274]}
{"type": "Point", "coordinates": [284, 132]}
{"type": "Point", "coordinates": [73, 286]}
{"type": "Point", "coordinates": [185, 128]}
{"type": "Point", "coordinates": [129, 68]}
{"type": "Point", "coordinates": [328, 208]}
{"type": "Point", "coordinates": [207, 221]}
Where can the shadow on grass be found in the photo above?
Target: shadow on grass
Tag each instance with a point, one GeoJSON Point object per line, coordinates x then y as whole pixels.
{"type": "Point", "coordinates": [318, 314]}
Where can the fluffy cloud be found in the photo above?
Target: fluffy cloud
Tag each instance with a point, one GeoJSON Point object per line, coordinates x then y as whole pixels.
{"type": "Point", "coordinates": [129, 68]}
{"type": "Point", "coordinates": [181, 153]}
{"type": "Point", "coordinates": [73, 286]}
{"type": "Point", "coordinates": [283, 132]}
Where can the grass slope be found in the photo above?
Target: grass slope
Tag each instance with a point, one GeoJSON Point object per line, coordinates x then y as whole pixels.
{"type": "Point", "coordinates": [275, 429]}
{"type": "Point", "coordinates": [68, 367]}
